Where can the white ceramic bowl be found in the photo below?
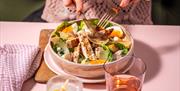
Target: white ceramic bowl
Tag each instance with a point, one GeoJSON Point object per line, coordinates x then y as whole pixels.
{"type": "Point", "coordinates": [95, 70]}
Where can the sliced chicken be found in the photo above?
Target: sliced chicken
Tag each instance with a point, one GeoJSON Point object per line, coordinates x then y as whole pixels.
{"type": "Point", "coordinates": [71, 43]}
{"type": "Point", "coordinates": [76, 54]}
{"type": "Point", "coordinates": [98, 51]}
{"type": "Point", "coordinates": [86, 46]}
{"type": "Point", "coordinates": [68, 56]}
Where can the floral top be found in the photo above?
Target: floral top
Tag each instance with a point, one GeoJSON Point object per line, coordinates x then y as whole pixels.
{"type": "Point", "coordinates": [137, 13]}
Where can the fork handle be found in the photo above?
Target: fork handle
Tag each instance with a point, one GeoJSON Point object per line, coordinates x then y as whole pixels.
{"type": "Point", "coordinates": [117, 9]}
{"type": "Point", "coordinates": [91, 29]}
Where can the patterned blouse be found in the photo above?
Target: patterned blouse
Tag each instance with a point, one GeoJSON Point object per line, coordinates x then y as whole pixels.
{"type": "Point", "coordinates": [135, 13]}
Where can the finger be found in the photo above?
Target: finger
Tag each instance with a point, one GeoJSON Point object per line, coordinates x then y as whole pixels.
{"type": "Point", "coordinates": [67, 2]}
{"type": "Point", "coordinates": [124, 3]}
{"type": "Point", "coordinates": [79, 5]}
{"type": "Point", "coordinates": [136, 1]}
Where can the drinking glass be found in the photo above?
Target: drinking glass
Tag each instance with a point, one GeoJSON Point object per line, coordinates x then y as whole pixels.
{"type": "Point", "coordinates": [58, 82]}
{"type": "Point", "coordinates": [130, 80]}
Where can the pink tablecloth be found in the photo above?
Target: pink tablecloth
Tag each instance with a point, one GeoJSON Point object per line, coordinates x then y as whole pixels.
{"type": "Point", "coordinates": [158, 46]}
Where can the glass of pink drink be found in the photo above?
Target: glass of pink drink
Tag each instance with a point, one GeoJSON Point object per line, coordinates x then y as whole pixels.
{"type": "Point", "coordinates": [131, 80]}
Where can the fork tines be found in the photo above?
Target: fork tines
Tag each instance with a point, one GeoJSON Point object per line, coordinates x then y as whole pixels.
{"type": "Point", "coordinates": [103, 22]}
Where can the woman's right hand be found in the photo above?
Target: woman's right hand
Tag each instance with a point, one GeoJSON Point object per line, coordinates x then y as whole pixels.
{"type": "Point", "coordinates": [125, 3]}
{"type": "Point", "coordinates": [77, 3]}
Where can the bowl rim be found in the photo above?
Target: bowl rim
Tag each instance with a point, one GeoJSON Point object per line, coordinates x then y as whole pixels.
{"type": "Point", "coordinates": [94, 65]}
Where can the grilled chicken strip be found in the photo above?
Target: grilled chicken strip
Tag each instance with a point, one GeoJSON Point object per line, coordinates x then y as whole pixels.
{"type": "Point", "coordinates": [71, 43]}
{"type": "Point", "coordinates": [76, 54]}
{"type": "Point", "coordinates": [97, 52]}
{"type": "Point", "coordinates": [69, 56]}
{"type": "Point", "coordinates": [86, 46]}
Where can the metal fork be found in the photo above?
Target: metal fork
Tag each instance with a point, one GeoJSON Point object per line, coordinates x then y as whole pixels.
{"type": "Point", "coordinates": [92, 31]}
{"type": "Point", "coordinates": [103, 22]}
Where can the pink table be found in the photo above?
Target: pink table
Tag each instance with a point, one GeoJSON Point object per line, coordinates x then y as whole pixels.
{"type": "Point", "coordinates": [158, 46]}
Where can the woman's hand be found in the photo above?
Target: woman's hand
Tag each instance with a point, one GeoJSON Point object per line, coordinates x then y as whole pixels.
{"type": "Point", "coordinates": [125, 3]}
{"type": "Point", "coordinates": [77, 3]}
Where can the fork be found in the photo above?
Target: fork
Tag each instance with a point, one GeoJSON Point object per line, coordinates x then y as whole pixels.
{"type": "Point", "coordinates": [92, 31]}
{"type": "Point", "coordinates": [103, 22]}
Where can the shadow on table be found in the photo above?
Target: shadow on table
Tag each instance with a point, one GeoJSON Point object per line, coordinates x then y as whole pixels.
{"type": "Point", "coordinates": [168, 49]}
{"type": "Point", "coordinates": [150, 57]}
{"type": "Point", "coordinates": [28, 85]}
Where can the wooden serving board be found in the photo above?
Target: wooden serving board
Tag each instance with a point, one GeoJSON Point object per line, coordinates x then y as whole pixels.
{"type": "Point", "coordinates": [43, 74]}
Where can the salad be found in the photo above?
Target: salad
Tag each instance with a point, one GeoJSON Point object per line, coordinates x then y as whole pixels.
{"type": "Point", "coordinates": [72, 42]}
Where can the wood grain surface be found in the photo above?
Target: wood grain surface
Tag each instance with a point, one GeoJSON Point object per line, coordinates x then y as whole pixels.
{"type": "Point", "coordinates": [43, 74]}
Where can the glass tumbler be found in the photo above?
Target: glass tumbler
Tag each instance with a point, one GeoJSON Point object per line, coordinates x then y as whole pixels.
{"type": "Point", "coordinates": [131, 80]}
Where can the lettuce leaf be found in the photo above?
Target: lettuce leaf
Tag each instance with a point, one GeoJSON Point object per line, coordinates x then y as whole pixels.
{"type": "Point", "coordinates": [123, 48]}
{"type": "Point", "coordinates": [107, 54]}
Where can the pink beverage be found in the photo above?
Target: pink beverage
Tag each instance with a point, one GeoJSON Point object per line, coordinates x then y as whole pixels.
{"type": "Point", "coordinates": [123, 83]}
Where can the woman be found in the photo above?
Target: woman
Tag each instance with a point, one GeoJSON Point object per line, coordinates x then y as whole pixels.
{"type": "Point", "coordinates": [133, 12]}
